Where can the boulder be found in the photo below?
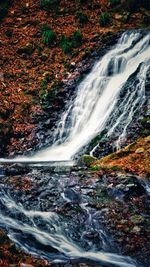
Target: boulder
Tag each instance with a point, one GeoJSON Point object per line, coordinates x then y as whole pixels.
{"type": "Point", "coordinates": [88, 160]}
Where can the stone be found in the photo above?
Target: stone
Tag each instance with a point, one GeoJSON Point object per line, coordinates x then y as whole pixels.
{"type": "Point", "coordinates": [88, 160]}
{"type": "Point", "coordinates": [136, 229]}
{"type": "Point", "coordinates": [139, 150]}
{"type": "Point", "coordinates": [120, 186]}
{"type": "Point", "coordinates": [137, 219]}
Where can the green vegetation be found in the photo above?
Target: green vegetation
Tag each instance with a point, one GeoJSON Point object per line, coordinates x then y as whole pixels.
{"type": "Point", "coordinates": [49, 4]}
{"type": "Point", "coordinates": [66, 44]}
{"type": "Point", "coordinates": [82, 18]}
{"type": "Point", "coordinates": [88, 160]}
{"type": "Point", "coordinates": [49, 36]}
{"type": "Point", "coordinates": [95, 168]}
{"type": "Point", "coordinates": [104, 19]}
{"type": "Point", "coordinates": [77, 38]}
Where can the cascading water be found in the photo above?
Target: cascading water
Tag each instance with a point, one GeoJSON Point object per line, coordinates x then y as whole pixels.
{"type": "Point", "coordinates": [97, 96]}
{"type": "Point", "coordinates": [34, 223]}
{"type": "Point", "coordinates": [32, 218]}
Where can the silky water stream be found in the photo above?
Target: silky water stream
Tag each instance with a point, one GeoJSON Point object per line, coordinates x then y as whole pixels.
{"type": "Point", "coordinates": [53, 219]}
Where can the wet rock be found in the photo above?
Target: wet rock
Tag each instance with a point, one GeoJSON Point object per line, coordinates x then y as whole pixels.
{"type": "Point", "coordinates": [91, 235]}
{"type": "Point", "coordinates": [72, 196]}
{"type": "Point", "coordinates": [137, 219]}
{"type": "Point", "coordinates": [136, 229]}
{"type": "Point", "coordinates": [118, 194]}
{"type": "Point", "coordinates": [16, 170]}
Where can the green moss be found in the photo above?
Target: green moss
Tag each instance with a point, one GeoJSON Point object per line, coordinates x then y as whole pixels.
{"type": "Point", "coordinates": [104, 19]}
{"type": "Point", "coordinates": [88, 160]}
{"type": "Point", "coordinates": [105, 168]}
{"type": "Point", "coordinates": [115, 168]}
{"type": "Point", "coordinates": [95, 168]}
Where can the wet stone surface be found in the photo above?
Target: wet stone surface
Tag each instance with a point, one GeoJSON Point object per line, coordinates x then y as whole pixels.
{"type": "Point", "coordinates": [80, 210]}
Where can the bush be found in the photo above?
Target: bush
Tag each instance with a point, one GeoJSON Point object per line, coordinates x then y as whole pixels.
{"type": "Point", "coordinates": [104, 19]}
{"type": "Point", "coordinates": [66, 44]}
{"type": "Point", "coordinates": [49, 4]}
{"type": "Point", "coordinates": [77, 38]}
{"type": "Point", "coordinates": [114, 2]}
{"type": "Point", "coordinates": [49, 36]}
{"type": "Point", "coordinates": [82, 18]}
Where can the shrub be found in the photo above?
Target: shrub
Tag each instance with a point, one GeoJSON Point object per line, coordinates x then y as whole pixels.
{"type": "Point", "coordinates": [49, 4]}
{"type": "Point", "coordinates": [104, 19]}
{"type": "Point", "coordinates": [77, 38]}
{"type": "Point", "coordinates": [114, 2]}
{"type": "Point", "coordinates": [49, 36]}
{"type": "Point", "coordinates": [82, 18]}
{"type": "Point", "coordinates": [66, 44]}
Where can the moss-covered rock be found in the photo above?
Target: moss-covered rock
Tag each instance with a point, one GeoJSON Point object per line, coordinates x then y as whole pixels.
{"type": "Point", "coordinates": [88, 160]}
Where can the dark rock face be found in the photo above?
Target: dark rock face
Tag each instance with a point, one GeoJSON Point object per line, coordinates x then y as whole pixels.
{"type": "Point", "coordinates": [140, 125]}
{"type": "Point", "coordinates": [128, 187]}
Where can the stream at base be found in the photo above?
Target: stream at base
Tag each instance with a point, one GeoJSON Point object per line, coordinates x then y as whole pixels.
{"type": "Point", "coordinates": [49, 214]}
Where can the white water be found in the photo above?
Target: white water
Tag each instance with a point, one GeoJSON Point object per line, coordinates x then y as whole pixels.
{"type": "Point", "coordinates": [96, 99]}
{"type": "Point", "coordinates": [53, 235]}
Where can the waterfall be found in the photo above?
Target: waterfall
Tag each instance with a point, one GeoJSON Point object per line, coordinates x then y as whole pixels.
{"type": "Point", "coordinates": [97, 96]}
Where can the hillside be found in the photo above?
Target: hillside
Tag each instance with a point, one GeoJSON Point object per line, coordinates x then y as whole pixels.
{"type": "Point", "coordinates": [33, 67]}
